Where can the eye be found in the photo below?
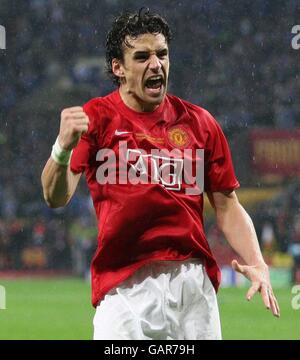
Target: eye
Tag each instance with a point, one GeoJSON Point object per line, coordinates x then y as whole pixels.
{"type": "Point", "coordinates": [141, 57]}
{"type": "Point", "coordinates": [162, 55]}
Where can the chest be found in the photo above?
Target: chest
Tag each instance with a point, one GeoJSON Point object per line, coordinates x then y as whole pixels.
{"type": "Point", "coordinates": [171, 133]}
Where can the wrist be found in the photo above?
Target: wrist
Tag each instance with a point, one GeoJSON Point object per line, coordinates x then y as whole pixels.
{"type": "Point", "coordinates": [261, 264]}
{"type": "Point", "coordinates": [60, 155]}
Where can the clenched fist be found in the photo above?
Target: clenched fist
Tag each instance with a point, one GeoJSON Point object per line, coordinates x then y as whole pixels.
{"type": "Point", "coordinates": [73, 123]}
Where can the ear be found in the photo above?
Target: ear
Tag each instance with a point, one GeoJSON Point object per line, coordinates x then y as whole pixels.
{"type": "Point", "coordinates": [117, 68]}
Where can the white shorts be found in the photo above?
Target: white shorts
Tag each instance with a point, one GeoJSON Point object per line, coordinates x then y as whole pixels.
{"type": "Point", "coordinates": [163, 300]}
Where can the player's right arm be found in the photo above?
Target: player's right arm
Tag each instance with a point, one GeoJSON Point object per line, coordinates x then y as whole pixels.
{"type": "Point", "coordinates": [58, 181]}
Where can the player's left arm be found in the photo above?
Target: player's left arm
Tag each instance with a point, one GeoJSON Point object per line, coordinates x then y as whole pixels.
{"type": "Point", "coordinates": [238, 229]}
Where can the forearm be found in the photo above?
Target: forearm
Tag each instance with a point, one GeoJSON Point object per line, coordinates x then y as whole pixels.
{"type": "Point", "coordinates": [239, 231]}
{"type": "Point", "coordinates": [58, 183]}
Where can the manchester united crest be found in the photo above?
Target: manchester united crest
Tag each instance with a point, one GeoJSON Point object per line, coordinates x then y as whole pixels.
{"type": "Point", "coordinates": [178, 137]}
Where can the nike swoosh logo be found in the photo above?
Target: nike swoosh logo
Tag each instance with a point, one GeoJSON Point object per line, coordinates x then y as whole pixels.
{"type": "Point", "coordinates": [117, 132]}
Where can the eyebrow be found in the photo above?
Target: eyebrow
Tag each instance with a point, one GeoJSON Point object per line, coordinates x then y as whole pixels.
{"type": "Point", "coordinates": [146, 52]}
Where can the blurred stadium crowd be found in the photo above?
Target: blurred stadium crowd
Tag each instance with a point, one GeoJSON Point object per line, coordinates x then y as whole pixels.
{"type": "Point", "coordinates": [232, 57]}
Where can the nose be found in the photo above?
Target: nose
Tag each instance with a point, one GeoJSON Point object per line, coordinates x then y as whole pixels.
{"type": "Point", "coordinates": [154, 63]}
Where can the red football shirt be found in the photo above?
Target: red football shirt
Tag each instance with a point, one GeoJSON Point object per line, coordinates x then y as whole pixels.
{"type": "Point", "coordinates": [155, 220]}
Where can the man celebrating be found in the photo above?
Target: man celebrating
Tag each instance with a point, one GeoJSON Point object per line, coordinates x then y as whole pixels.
{"type": "Point", "coordinates": [153, 274]}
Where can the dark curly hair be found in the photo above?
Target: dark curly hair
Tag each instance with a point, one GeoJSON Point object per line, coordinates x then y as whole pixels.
{"type": "Point", "coordinates": [133, 25]}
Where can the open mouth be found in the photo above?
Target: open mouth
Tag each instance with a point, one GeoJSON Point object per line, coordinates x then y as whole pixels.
{"type": "Point", "coordinates": [154, 83]}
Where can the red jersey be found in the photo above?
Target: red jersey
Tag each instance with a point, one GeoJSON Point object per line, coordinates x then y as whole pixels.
{"type": "Point", "coordinates": [145, 221]}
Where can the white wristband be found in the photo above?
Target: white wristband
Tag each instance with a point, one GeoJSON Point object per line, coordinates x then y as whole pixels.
{"type": "Point", "coordinates": [60, 155]}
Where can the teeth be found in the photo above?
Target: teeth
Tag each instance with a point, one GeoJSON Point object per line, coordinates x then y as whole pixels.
{"type": "Point", "coordinates": [155, 78]}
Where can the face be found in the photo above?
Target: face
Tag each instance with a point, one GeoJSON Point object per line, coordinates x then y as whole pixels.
{"type": "Point", "coordinates": [144, 71]}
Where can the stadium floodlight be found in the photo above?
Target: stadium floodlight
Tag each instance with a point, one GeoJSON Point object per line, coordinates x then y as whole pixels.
{"type": "Point", "coordinates": [2, 37]}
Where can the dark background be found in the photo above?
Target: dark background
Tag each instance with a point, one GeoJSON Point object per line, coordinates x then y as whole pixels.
{"type": "Point", "coordinates": [233, 58]}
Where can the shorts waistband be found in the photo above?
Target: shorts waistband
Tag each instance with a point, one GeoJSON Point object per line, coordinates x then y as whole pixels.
{"type": "Point", "coordinates": [155, 268]}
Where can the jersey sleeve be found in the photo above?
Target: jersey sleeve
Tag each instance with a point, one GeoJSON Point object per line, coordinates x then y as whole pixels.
{"type": "Point", "coordinates": [85, 151]}
{"type": "Point", "coordinates": [219, 172]}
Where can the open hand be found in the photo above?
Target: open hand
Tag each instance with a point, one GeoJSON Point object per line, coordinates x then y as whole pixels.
{"type": "Point", "coordinates": [260, 279]}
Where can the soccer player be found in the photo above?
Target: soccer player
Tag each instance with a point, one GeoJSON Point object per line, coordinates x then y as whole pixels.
{"type": "Point", "coordinates": [153, 274]}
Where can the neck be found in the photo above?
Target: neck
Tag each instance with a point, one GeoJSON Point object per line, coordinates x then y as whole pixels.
{"type": "Point", "coordinates": [134, 103]}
